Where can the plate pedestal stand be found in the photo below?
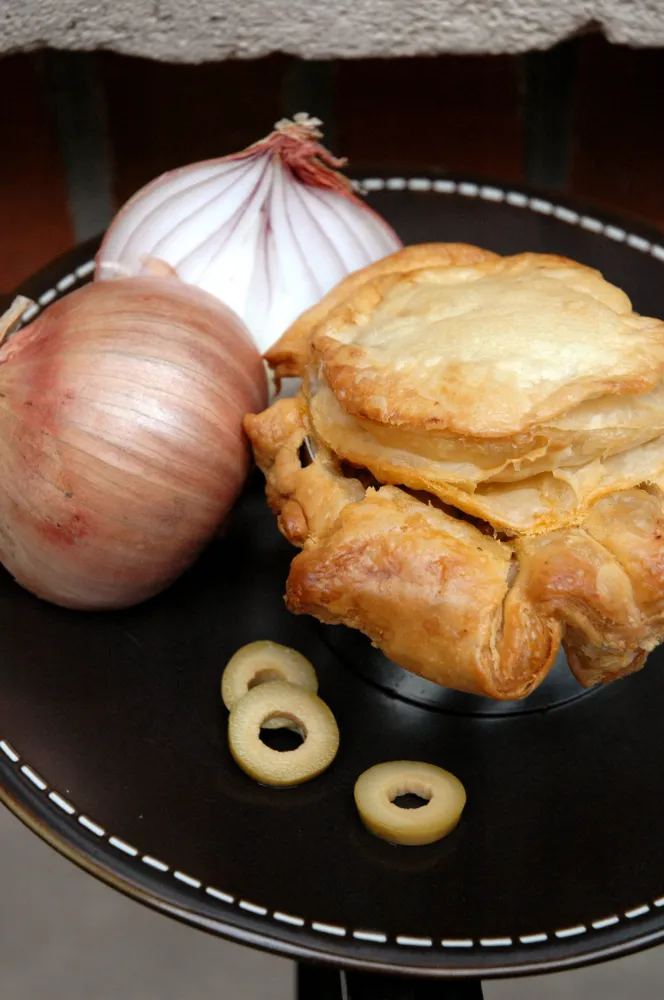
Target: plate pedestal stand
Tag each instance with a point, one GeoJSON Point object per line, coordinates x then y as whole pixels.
{"type": "Point", "coordinates": [317, 983]}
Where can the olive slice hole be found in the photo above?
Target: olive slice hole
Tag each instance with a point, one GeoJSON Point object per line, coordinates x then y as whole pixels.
{"type": "Point", "coordinates": [410, 801]}
{"type": "Point", "coordinates": [284, 733]}
{"type": "Point", "coordinates": [411, 796]}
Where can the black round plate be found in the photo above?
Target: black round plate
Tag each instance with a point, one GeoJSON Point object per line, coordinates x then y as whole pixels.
{"type": "Point", "coordinates": [113, 744]}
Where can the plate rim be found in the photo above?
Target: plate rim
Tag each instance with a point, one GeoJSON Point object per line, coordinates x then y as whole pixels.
{"type": "Point", "coordinates": [28, 808]}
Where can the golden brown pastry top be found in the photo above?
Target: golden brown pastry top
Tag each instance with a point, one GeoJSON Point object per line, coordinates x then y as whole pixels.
{"type": "Point", "coordinates": [519, 389]}
{"type": "Point", "coordinates": [454, 338]}
{"type": "Point", "coordinates": [292, 352]}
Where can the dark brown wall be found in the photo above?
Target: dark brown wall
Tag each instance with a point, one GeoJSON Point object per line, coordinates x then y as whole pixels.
{"type": "Point", "coordinates": [468, 115]}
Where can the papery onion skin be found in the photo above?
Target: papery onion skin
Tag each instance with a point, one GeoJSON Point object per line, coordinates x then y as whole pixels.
{"type": "Point", "coordinates": [121, 446]}
{"type": "Point", "coordinates": [269, 230]}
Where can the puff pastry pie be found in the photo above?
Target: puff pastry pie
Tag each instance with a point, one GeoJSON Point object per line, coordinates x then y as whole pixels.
{"type": "Point", "coordinates": [487, 442]}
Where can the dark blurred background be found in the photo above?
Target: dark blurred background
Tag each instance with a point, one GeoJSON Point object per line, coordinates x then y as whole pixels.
{"type": "Point", "coordinates": [82, 131]}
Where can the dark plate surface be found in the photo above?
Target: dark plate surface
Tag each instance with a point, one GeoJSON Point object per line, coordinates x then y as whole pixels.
{"type": "Point", "coordinates": [113, 746]}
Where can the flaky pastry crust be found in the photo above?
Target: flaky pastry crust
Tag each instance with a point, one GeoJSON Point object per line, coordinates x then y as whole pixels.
{"type": "Point", "coordinates": [449, 602]}
{"type": "Point", "coordinates": [526, 484]}
{"type": "Point", "coordinates": [292, 352]}
{"type": "Point", "coordinates": [488, 442]}
{"type": "Point", "coordinates": [452, 337]}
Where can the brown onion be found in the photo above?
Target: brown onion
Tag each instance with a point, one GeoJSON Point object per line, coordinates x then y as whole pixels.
{"type": "Point", "coordinates": [121, 444]}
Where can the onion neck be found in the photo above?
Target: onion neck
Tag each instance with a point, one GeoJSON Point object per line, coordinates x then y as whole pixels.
{"type": "Point", "coordinates": [296, 144]}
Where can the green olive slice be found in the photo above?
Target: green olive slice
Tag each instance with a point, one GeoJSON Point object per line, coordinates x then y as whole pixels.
{"type": "Point", "coordinates": [377, 789]}
{"type": "Point", "coordinates": [291, 706]}
{"type": "Point", "coordinates": [263, 661]}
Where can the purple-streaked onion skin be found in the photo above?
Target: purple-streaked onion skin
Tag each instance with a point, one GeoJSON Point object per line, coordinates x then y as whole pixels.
{"type": "Point", "coordinates": [268, 231]}
{"type": "Point", "coordinates": [121, 443]}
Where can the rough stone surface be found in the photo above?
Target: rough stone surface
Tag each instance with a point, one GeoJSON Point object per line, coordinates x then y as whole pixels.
{"type": "Point", "coordinates": [202, 30]}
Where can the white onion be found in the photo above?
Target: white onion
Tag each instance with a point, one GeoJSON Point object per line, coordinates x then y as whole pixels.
{"type": "Point", "coordinates": [121, 442]}
{"type": "Point", "coordinates": [269, 231]}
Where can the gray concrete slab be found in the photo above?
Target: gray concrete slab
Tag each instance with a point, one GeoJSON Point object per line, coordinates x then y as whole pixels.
{"type": "Point", "coordinates": [319, 29]}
